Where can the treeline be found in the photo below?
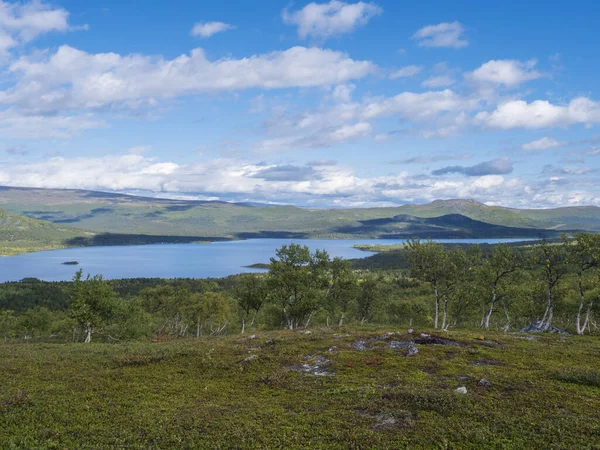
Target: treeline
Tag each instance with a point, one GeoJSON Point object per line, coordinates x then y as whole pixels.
{"type": "Point", "coordinates": [499, 287]}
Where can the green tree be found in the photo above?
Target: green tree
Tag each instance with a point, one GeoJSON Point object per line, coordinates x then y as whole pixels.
{"type": "Point", "coordinates": [441, 268]}
{"type": "Point", "coordinates": [251, 294]}
{"type": "Point", "coordinates": [553, 260]}
{"type": "Point", "coordinates": [35, 319]}
{"type": "Point", "coordinates": [93, 303]}
{"type": "Point", "coordinates": [210, 310]}
{"type": "Point", "coordinates": [493, 274]}
{"type": "Point", "coordinates": [584, 255]}
{"type": "Point", "coordinates": [368, 298]}
{"type": "Point", "coordinates": [342, 290]}
{"type": "Point", "coordinates": [7, 322]}
{"type": "Point", "coordinates": [296, 280]}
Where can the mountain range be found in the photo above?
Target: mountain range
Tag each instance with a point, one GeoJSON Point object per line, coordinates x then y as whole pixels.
{"type": "Point", "coordinates": [57, 217]}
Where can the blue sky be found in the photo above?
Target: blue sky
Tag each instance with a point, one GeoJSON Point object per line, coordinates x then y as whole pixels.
{"type": "Point", "coordinates": [323, 104]}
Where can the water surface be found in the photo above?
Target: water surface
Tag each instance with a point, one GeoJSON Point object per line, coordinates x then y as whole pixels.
{"type": "Point", "coordinates": [218, 259]}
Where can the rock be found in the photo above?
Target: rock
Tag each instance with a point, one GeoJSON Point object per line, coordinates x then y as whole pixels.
{"type": "Point", "coordinates": [424, 335]}
{"type": "Point", "coordinates": [538, 327]}
{"type": "Point", "coordinates": [305, 332]}
{"type": "Point", "coordinates": [461, 390]}
{"type": "Point", "coordinates": [400, 344]}
{"type": "Point", "coordinates": [360, 345]}
{"type": "Point", "coordinates": [387, 335]}
{"type": "Point", "coordinates": [484, 383]}
{"type": "Point", "coordinates": [411, 331]}
{"type": "Point", "coordinates": [253, 336]}
{"type": "Point", "coordinates": [332, 349]}
{"type": "Point", "coordinates": [339, 336]}
{"type": "Point", "coordinates": [249, 358]}
{"type": "Point", "coordinates": [412, 351]}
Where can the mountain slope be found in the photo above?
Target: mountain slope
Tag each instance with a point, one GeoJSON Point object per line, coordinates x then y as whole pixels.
{"type": "Point", "coordinates": [124, 214]}
{"type": "Point", "coordinates": [19, 234]}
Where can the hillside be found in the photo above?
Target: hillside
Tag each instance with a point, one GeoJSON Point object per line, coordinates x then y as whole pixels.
{"type": "Point", "coordinates": [124, 214]}
{"type": "Point", "coordinates": [19, 234]}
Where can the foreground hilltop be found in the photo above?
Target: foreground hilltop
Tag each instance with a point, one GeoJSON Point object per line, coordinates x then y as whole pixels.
{"type": "Point", "coordinates": [118, 213]}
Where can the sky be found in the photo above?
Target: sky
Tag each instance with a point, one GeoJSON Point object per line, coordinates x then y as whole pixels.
{"type": "Point", "coordinates": [323, 104]}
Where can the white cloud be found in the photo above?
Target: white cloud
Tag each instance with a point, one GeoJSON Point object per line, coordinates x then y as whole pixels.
{"type": "Point", "coordinates": [322, 20]}
{"type": "Point", "coordinates": [74, 79]}
{"type": "Point", "coordinates": [18, 126]}
{"type": "Point", "coordinates": [208, 29]}
{"type": "Point", "coordinates": [438, 81]}
{"type": "Point", "coordinates": [441, 35]}
{"type": "Point", "coordinates": [343, 92]}
{"type": "Point", "coordinates": [417, 106]}
{"type": "Point", "coordinates": [507, 72]}
{"type": "Point", "coordinates": [407, 71]}
{"type": "Point", "coordinates": [544, 143]}
{"type": "Point", "coordinates": [313, 183]}
{"type": "Point", "coordinates": [540, 114]}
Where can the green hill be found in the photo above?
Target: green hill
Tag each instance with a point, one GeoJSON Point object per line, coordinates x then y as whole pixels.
{"type": "Point", "coordinates": [19, 234]}
{"type": "Point", "coordinates": [160, 220]}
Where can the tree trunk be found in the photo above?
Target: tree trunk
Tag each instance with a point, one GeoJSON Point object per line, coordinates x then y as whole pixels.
{"type": "Point", "coordinates": [341, 322]}
{"type": "Point", "coordinates": [198, 329]}
{"type": "Point", "coordinates": [445, 313]}
{"type": "Point", "coordinates": [486, 324]}
{"type": "Point", "coordinates": [308, 320]}
{"type": "Point", "coordinates": [437, 306]}
{"type": "Point", "coordinates": [243, 324]}
{"type": "Point", "coordinates": [586, 323]}
{"type": "Point", "coordinates": [88, 334]}
{"type": "Point", "coordinates": [253, 317]}
{"type": "Point", "coordinates": [547, 313]}
{"type": "Point", "coordinates": [580, 329]}
{"type": "Point", "coordinates": [507, 326]}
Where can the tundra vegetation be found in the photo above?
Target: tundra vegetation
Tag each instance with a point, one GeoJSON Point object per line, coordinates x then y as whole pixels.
{"type": "Point", "coordinates": [302, 355]}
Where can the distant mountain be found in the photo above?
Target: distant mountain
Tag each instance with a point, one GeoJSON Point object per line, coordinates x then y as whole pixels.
{"type": "Point", "coordinates": [196, 220]}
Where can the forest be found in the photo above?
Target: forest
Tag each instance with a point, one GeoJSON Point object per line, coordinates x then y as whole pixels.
{"type": "Point", "coordinates": [550, 286]}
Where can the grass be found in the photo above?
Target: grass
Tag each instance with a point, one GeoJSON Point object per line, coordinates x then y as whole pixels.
{"type": "Point", "coordinates": [236, 392]}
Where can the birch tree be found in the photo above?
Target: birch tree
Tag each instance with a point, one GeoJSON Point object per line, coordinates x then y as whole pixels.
{"type": "Point", "coordinates": [92, 304]}
{"type": "Point", "coordinates": [494, 273]}
{"type": "Point", "coordinates": [584, 255]}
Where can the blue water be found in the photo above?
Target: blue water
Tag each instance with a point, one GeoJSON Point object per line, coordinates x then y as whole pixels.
{"type": "Point", "coordinates": [218, 259]}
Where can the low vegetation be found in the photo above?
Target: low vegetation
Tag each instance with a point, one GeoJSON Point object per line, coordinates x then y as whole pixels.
{"type": "Point", "coordinates": [287, 389]}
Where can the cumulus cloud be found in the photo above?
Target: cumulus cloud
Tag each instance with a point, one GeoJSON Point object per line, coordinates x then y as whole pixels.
{"type": "Point", "coordinates": [323, 20]}
{"type": "Point", "coordinates": [18, 126]}
{"type": "Point", "coordinates": [207, 29]}
{"type": "Point", "coordinates": [23, 22]}
{"type": "Point", "coordinates": [447, 34]}
{"type": "Point", "coordinates": [540, 114]}
{"type": "Point", "coordinates": [316, 184]}
{"type": "Point", "coordinates": [343, 92]}
{"type": "Point", "coordinates": [507, 72]}
{"type": "Point", "coordinates": [73, 79]}
{"type": "Point", "coordinates": [544, 143]}
{"type": "Point", "coordinates": [438, 81]}
{"type": "Point", "coordinates": [500, 166]}
{"type": "Point", "coordinates": [404, 72]}
{"type": "Point", "coordinates": [418, 106]}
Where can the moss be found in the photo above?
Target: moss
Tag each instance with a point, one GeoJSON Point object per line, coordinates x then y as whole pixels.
{"type": "Point", "coordinates": [201, 393]}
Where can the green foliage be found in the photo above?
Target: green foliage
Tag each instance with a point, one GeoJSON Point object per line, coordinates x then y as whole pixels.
{"type": "Point", "coordinates": [93, 303]}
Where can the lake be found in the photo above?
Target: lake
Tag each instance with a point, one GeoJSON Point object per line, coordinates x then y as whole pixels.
{"type": "Point", "coordinates": [217, 259]}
